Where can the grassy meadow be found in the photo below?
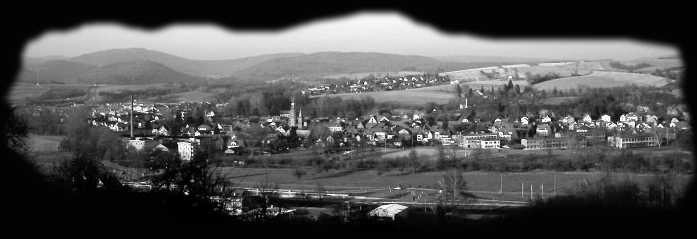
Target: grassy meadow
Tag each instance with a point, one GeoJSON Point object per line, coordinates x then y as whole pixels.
{"type": "Point", "coordinates": [44, 151]}
{"type": "Point", "coordinates": [361, 75]}
{"type": "Point", "coordinates": [482, 184]}
{"type": "Point", "coordinates": [411, 97]}
{"type": "Point", "coordinates": [602, 79]}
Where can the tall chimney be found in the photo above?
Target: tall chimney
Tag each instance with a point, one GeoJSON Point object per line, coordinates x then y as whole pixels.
{"type": "Point", "coordinates": [131, 116]}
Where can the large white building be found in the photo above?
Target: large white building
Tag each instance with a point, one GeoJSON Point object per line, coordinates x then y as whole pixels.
{"type": "Point", "coordinates": [186, 150]}
{"type": "Point", "coordinates": [633, 141]}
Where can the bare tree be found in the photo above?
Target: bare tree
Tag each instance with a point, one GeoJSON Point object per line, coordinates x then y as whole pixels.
{"type": "Point", "coordinates": [16, 132]}
{"type": "Point", "coordinates": [452, 185]}
{"type": "Point", "coordinates": [413, 161]}
{"type": "Point", "coordinates": [299, 172]}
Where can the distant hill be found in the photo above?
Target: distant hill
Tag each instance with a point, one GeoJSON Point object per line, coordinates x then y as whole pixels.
{"type": "Point", "coordinates": [135, 72]}
{"type": "Point", "coordinates": [121, 66]}
{"type": "Point", "coordinates": [219, 68]}
{"type": "Point", "coordinates": [55, 71]}
{"type": "Point", "coordinates": [602, 79]}
{"type": "Point", "coordinates": [36, 60]}
{"type": "Point", "coordinates": [496, 59]}
{"type": "Point", "coordinates": [329, 63]}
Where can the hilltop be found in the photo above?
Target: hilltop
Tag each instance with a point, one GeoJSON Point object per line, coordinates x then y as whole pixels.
{"type": "Point", "coordinates": [603, 79]}
{"type": "Point", "coordinates": [90, 66]}
{"type": "Point", "coordinates": [125, 66]}
{"type": "Point", "coordinates": [136, 72]}
{"type": "Point", "coordinates": [329, 63]}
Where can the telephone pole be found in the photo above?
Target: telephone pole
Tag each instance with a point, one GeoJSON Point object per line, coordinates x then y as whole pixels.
{"type": "Point", "coordinates": [131, 116]}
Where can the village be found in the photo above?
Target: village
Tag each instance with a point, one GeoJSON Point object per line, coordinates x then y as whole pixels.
{"type": "Point", "coordinates": [375, 84]}
{"type": "Point", "coordinates": [221, 134]}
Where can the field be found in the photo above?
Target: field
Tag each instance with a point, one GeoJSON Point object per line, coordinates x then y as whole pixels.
{"type": "Point", "coordinates": [495, 83]}
{"type": "Point", "coordinates": [124, 88]}
{"type": "Point", "coordinates": [560, 100]}
{"type": "Point", "coordinates": [654, 62]}
{"type": "Point", "coordinates": [481, 184]}
{"type": "Point", "coordinates": [192, 96]}
{"type": "Point", "coordinates": [602, 79]}
{"type": "Point", "coordinates": [422, 152]}
{"type": "Point", "coordinates": [361, 75]}
{"type": "Point", "coordinates": [21, 91]}
{"type": "Point", "coordinates": [564, 71]}
{"type": "Point", "coordinates": [411, 97]}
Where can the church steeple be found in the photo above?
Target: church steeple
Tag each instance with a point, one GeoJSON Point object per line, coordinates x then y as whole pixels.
{"type": "Point", "coordinates": [292, 113]}
{"type": "Point", "coordinates": [300, 118]}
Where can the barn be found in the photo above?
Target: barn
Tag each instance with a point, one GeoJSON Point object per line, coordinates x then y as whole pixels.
{"type": "Point", "coordinates": [389, 211]}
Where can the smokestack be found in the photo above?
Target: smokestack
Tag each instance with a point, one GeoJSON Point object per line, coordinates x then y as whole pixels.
{"type": "Point", "coordinates": [131, 116]}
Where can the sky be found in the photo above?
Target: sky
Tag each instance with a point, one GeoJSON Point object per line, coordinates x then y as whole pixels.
{"type": "Point", "coordinates": [383, 32]}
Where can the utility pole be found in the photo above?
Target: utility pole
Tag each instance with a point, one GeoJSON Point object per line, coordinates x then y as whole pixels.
{"type": "Point", "coordinates": [531, 191]}
{"type": "Point", "coordinates": [131, 116]}
{"type": "Point", "coordinates": [501, 189]}
{"type": "Point", "coordinates": [521, 190]}
{"type": "Point", "coordinates": [555, 183]}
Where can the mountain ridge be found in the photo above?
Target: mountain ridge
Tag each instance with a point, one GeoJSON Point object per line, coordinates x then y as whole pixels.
{"type": "Point", "coordinates": [155, 64]}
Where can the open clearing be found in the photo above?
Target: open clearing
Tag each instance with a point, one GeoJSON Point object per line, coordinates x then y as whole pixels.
{"type": "Point", "coordinates": [602, 79]}
{"type": "Point", "coordinates": [544, 70]}
{"type": "Point", "coordinates": [361, 75]}
{"type": "Point", "coordinates": [495, 83]}
{"type": "Point", "coordinates": [22, 91]}
{"type": "Point", "coordinates": [482, 184]}
{"type": "Point", "coordinates": [411, 97]}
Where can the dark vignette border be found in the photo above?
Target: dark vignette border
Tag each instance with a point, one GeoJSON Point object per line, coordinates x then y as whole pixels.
{"type": "Point", "coordinates": [662, 23]}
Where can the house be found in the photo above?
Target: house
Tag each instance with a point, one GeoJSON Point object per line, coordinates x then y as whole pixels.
{"type": "Point", "coordinates": [470, 143]}
{"type": "Point", "coordinates": [632, 117]}
{"type": "Point", "coordinates": [389, 211]}
{"type": "Point", "coordinates": [490, 144]}
{"type": "Point", "coordinates": [524, 120]}
{"type": "Point", "coordinates": [235, 142]}
{"type": "Point", "coordinates": [633, 141]}
{"type": "Point", "coordinates": [605, 118]}
{"type": "Point", "coordinates": [371, 122]}
{"type": "Point", "coordinates": [335, 126]}
{"type": "Point", "coordinates": [285, 114]}
{"type": "Point", "coordinates": [587, 118]}
{"type": "Point", "coordinates": [166, 147]}
{"type": "Point", "coordinates": [546, 119]}
{"type": "Point", "coordinates": [163, 131]}
{"type": "Point", "coordinates": [610, 125]}
{"type": "Point", "coordinates": [186, 150]}
{"type": "Point", "coordinates": [543, 129]}
{"type": "Point", "coordinates": [545, 143]}
{"type": "Point", "coordinates": [203, 127]}
{"type": "Point", "coordinates": [652, 119]}
{"type": "Point", "coordinates": [384, 118]}
{"type": "Point", "coordinates": [568, 120]}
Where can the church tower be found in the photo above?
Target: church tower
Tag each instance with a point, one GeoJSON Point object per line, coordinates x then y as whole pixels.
{"type": "Point", "coordinates": [292, 113]}
{"type": "Point", "coordinates": [300, 119]}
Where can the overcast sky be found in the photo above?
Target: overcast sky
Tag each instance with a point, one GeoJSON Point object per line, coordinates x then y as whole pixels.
{"type": "Point", "coordinates": [361, 32]}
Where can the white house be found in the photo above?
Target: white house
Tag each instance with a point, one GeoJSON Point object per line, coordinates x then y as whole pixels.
{"type": "Point", "coordinates": [605, 118]}
{"type": "Point", "coordinates": [546, 119]}
{"type": "Point", "coordinates": [186, 150]}
{"type": "Point", "coordinates": [587, 118]}
{"type": "Point", "coordinates": [524, 120]}
{"type": "Point", "coordinates": [632, 117]}
{"type": "Point", "coordinates": [568, 120]}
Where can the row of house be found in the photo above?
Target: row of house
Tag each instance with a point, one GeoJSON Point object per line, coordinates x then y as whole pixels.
{"type": "Point", "coordinates": [378, 84]}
